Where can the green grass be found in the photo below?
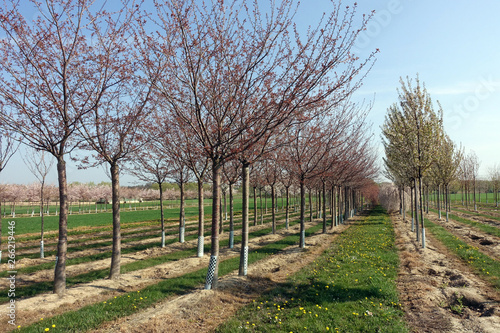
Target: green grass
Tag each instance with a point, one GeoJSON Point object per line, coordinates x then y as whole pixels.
{"type": "Point", "coordinates": [484, 265]}
{"type": "Point", "coordinates": [132, 302]}
{"type": "Point", "coordinates": [46, 286]}
{"type": "Point", "coordinates": [489, 229]}
{"type": "Point", "coordinates": [350, 288]}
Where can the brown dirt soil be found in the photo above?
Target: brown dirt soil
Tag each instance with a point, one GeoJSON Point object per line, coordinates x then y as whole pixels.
{"type": "Point", "coordinates": [204, 310]}
{"type": "Point", "coordinates": [47, 305]}
{"type": "Point", "coordinates": [488, 244]}
{"type": "Point", "coordinates": [480, 219]}
{"type": "Point", "coordinates": [438, 291]}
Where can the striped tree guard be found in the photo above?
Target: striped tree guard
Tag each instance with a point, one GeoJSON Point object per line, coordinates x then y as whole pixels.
{"type": "Point", "coordinates": [245, 261]}
{"type": "Point", "coordinates": [200, 246]}
{"type": "Point", "coordinates": [211, 272]}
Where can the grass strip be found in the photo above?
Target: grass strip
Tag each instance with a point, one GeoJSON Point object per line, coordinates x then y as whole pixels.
{"type": "Point", "coordinates": [487, 267]}
{"type": "Point", "coordinates": [476, 214]}
{"type": "Point", "coordinates": [127, 304]}
{"type": "Point", "coordinates": [489, 229]}
{"type": "Point", "coordinates": [351, 287]}
{"type": "Point", "coordinates": [47, 286]}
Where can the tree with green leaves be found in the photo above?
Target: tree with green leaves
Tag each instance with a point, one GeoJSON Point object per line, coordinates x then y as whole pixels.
{"type": "Point", "coordinates": [411, 133]}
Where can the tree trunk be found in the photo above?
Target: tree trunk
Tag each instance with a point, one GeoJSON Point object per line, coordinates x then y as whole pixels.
{"type": "Point", "coordinates": [404, 206]}
{"type": "Point", "coordinates": [324, 207]}
{"type": "Point", "coordinates": [261, 207]}
{"type": "Point", "coordinates": [287, 208]}
{"type": "Point", "coordinates": [254, 206]}
{"type": "Point", "coordinates": [231, 217]}
{"type": "Point", "coordinates": [62, 244]}
{"type": "Point", "coordinates": [201, 219]}
{"type": "Point", "coordinates": [310, 206]}
{"type": "Point", "coordinates": [0, 231]}
{"type": "Point", "coordinates": [162, 216]}
{"type": "Point", "coordinates": [302, 214]}
{"type": "Point", "coordinates": [416, 208]}
{"type": "Point", "coordinates": [42, 253]}
{"type": "Point", "coordinates": [412, 207]}
{"type": "Point", "coordinates": [273, 204]}
{"type": "Point", "coordinates": [182, 216]}
{"type": "Point", "coordinates": [213, 267]}
{"type": "Point", "coordinates": [116, 251]}
{"type": "Point", "coordinates": [244, 217]}
{"type": "Point", "coordinates": [438, 201]}
{"type": "Point", "coordinates": [422, 212]}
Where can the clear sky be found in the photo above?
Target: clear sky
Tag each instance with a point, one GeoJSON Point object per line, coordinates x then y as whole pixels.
{"type": "Point", "coordinates": [454, 46]}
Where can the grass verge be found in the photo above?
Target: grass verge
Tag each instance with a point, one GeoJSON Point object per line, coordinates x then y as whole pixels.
{"type": "Point", "coordinates": [350, 288]}
{"type": "Point", "coordinates": [125, 305]}
{"type": "Point", "coordinates": [489, 229]}
{"type": "Point", "coordinates": [486, 266]}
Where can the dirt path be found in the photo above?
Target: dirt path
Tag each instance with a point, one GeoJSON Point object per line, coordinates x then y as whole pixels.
{"type": "Point", "coordinates": [438, 292]}
{"type": "Point", "coordinates": [46, 305]}
{"type": "Point", "coordinates": [488, 244]}
{"type": "Point", "coordinates": [204, 310]}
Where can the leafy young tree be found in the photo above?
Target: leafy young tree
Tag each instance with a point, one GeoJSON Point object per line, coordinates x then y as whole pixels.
{"type": "Point", "coordinates": [412, 131]}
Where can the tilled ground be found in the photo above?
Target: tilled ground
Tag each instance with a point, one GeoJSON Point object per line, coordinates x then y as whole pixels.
{"type": "Point", "coordinates": [438, 291]}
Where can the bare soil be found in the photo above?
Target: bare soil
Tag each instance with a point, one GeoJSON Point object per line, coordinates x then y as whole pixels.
{"type": "Point", "coordinates": [439, 293]}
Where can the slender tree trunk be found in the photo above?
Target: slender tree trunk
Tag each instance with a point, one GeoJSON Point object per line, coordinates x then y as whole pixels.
{"type": "Point", "coordinates": [346, 203]}
{"type": "Point", "coordinates": [201, 219]}
{"type": "Point", "coordinates": [287, 209]}
{"type": "Point", "coordinates": [302, 213]}
{"type": "Point", "coordinates": [116, 251]}
{"type": "Point", "coordinates": [310, 206]}
{"type": "Point", "coordinates": [62, 244]}
{"type": "Point", "coordinates": [324, 207]}
{"type": "Point", "coordinates": [404, 206]}
{"type": "Point", "coordinates": [244, 223]}
{"type": "Point", "coordinates": [261, 207]}
{"type": "Point", "coordinates": [412, 209]}
{"type": "Point", "coordinates": [162, 216]}
{"type": "Point", "coordinates": [438, 201]}
{"type": "Point", "coordinates": [273, 204]}
{"type": "Point", "coordinates": [422, 212]}
{"type": "Point", "coordinates": [231, 217]}
{"type": "Point", "coordinates": [182, 214]}
{"type": "Point", "coordinates": [213, 267]}
{"type": "Point", "coordinates": [254, 206]}
{"type": "Point", "coordinates": [416, 208]}
{"type": "Point", "coordinates": [42, 252]}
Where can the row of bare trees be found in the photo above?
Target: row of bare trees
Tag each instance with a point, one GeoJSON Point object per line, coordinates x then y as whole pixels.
{"type": "Point", "coordinates": [185, 86]}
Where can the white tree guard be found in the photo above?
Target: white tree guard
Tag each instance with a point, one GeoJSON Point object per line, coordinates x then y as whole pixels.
{"type": "Point", "coordinates": [231, 239]}
{"type": "Point", "coordinates": [181, 236]}
{"type": "Point", "coordinates": [42, 253]}
{"type": "Point", "coordinates": [200, 246]}
{"type": "Point", "coordinates": [163, 238]}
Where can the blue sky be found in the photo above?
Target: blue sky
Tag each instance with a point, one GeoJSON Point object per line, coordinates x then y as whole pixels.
{"type": "Point", "coordinates": [452, 45]}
